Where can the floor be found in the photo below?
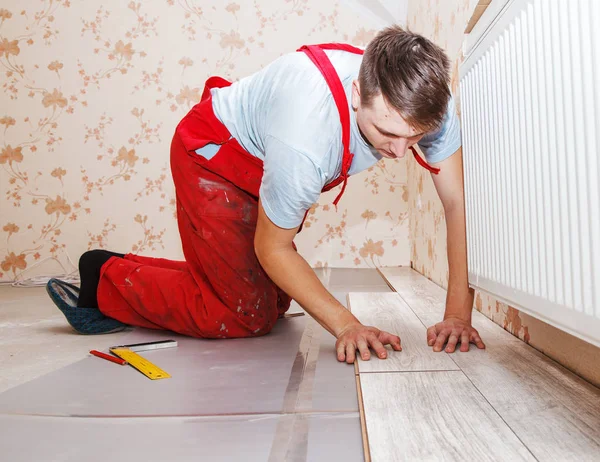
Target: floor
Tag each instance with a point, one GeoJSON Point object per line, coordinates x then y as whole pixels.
{"type": "Point", "coordinates": [284, 396]}
{"type": "Point", "coordinates": [507, 402]}
{"type": "Point", "coordinates": [280, 397]}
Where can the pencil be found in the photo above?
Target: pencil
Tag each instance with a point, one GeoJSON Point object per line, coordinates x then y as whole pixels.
{"type": "Point", "coordinates": [120, 361]}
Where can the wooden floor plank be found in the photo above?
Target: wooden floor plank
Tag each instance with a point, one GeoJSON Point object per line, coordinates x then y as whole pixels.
{"type": "Point", "coordinates": [553, 411]}
{"type": "Point", "coordinates": [387, 311]}
{"type": "Point", "coordinates": [434, 416]}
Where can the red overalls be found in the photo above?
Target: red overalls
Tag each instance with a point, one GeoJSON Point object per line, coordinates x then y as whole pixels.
{"type": "Point", "coordinates": [220, 290]}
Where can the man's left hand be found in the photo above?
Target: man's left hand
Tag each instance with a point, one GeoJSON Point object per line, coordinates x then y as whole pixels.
{"type": "Point", "coordinates": [453, 330]}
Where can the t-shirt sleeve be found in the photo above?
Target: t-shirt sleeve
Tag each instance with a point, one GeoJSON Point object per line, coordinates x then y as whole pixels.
{"type": "Point", "coordinates": [445, 141]}
{"type": "Point", "coordinates": [291, 183]}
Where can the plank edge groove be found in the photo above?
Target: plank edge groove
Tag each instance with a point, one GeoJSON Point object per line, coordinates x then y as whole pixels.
{"type": "Point", "coordinates": [363, 421]}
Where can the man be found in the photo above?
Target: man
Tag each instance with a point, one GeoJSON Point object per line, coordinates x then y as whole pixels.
{"type": "Point", "coordinates": [249, 160]}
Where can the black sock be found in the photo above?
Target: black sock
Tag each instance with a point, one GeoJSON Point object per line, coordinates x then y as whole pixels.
{"type": "Point", "coordinates": [90, 264]}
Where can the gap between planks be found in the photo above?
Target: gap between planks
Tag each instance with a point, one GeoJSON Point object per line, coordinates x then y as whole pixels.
{"type": "Point", "coordinates": [361, 406]}
{"type": "Point", "coordinates": [363, 422]}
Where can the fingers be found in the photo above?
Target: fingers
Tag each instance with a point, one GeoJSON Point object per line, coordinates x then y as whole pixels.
{"type": "Point", "coordinates": [441, 340]}
{"type": "Point", "coordinates": [347, 346]}
{"type": "Point", "coordinates": [388, 339]}
{"type": "Point", "coordinates": [341, 351]}
{"type": "Point", "coordinates": [452, 341]}
{"type": "Point", "coordinates": [476, 339]}
{"type": "Point", "coordinates": [350, 353]}
{"type": "Point", "coordinates": [431, 335]}
{"type": "Point", "coordinates": [361, 341]}
{"type": "Point", "coordinates": [363, 348]}
{"type": "Point", "coordinates": [373, 342]}
{"type": "Point", "coordinates": [452, 335]}
{"type": "Point", "coordinates": [464, 341]}
{"type": "Point", "coordinates": [378, 347]}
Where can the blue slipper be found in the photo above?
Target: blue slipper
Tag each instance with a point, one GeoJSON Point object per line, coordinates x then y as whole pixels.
{"type": "Point", "coordinates": [88, 321]}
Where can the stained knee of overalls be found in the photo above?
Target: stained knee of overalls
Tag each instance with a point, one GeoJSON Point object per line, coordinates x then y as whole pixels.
{"type": "Point", "coordinates": [283, 302]}
{"type": "Point", "coordinates": [243, 322]}
{"type": "Point", "coordinates": [258, 309]}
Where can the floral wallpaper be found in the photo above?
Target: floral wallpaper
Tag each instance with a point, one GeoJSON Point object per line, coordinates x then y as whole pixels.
{"type": "Point", "coordinates": [444, 21]}
{"type": "Point", "coordinates": [91, 93]}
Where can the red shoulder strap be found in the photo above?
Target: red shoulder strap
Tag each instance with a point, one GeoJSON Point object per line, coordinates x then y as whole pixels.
{"type": "Point", "coordinates": [214, 82]}
{"type": "Point", "coordinates": [317, 55]}
{"type": "Point", "coordinates": [337, 46]}
{"type": "Point", "coordinates": [423, 163]}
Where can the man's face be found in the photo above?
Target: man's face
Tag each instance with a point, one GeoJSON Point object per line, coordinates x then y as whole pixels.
{"type": "Point", "coordinates": [383, 127]}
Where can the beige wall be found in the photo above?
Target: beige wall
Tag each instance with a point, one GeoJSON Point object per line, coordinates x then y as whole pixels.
{"type": "Point", "coordinates": [91, 94]}
{"type": "Point", "coordinates": [443, 21]}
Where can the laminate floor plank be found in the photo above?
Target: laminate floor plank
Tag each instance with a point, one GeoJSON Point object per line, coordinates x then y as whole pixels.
{"type": "Point", "coordinates": [553, 411]}
{"type": "Point", "coordinates": [434, 416]}
{"type": "Point", "coordinates": [388, 312]}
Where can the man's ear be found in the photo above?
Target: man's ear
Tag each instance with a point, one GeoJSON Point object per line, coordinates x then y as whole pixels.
{"type": "Point", "coordinates": [355, 94]}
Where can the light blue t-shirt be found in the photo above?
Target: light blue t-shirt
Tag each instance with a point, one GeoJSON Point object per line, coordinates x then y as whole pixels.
{"type": "Point", "coordinates": [286, 116]}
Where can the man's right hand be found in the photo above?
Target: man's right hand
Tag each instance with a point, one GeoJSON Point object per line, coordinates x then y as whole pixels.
{"type": "Point", "coordinates": [275, 251]}
{"type": "Point", "coordinates": [362, 338]}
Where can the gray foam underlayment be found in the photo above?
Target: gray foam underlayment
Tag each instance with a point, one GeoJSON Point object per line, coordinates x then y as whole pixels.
{"type": "Point", "coordinates": [223, 396]}
{"type": "Point", "coordinates": [331, 437]}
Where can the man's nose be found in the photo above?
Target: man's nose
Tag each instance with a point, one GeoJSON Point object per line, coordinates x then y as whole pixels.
{"type": "Point", "coordinates": [399, 147]}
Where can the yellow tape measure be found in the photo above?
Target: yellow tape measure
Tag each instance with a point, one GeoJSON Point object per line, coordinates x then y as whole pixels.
{"type": "Point", "coordinates": [150, 370]}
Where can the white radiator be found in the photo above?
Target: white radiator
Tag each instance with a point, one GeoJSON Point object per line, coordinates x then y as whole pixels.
{"type": "Point", "coordinates": [530, 99]}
